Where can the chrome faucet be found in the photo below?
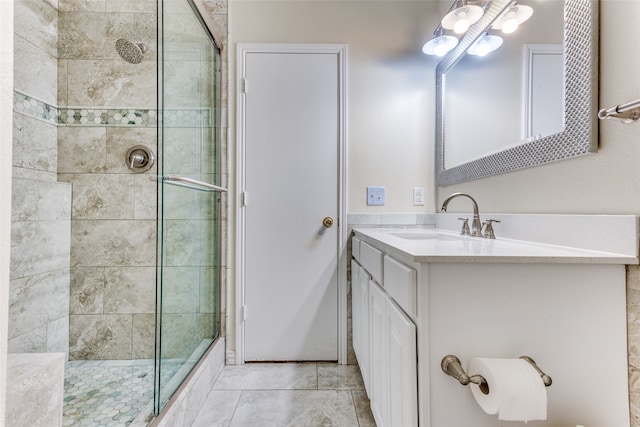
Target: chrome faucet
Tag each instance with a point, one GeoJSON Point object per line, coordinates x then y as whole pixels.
{"type": "Point", "coordinates": [488, 229]}
{"type": "Point", "coordinates": [476, 227]}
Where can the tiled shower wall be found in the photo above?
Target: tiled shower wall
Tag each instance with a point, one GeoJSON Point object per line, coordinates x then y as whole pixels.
{"type": "Point", "coordinates": [113, 227]}
{"type": "Point", "coordinates": [633, 334]}
{"type": "Point", "coordinates": [62, 58]}
{"type": "Point", "coordinates": [41, 206]}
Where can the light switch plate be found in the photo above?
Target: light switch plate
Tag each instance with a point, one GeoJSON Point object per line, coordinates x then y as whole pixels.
{"type": "Point", "coordinates": [418, 196]}
{"type": "Point", "coordinates": [375, 196]}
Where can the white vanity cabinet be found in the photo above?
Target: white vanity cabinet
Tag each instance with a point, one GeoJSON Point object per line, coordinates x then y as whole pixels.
{"type": "Point", "coordinates": [444, 294]}
{"type": "Point", "coordinates": [378, 381]}
{"type": "Point", "coordinates": [401, 367]}
{"type": "Point", "coordinates": [384, 336]}
{"type": "Point", "coordinates": [360, 317]}
{"type": "Point", "coordinates": [355, 309]}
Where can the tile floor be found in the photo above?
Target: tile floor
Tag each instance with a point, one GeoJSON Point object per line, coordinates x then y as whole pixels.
{"type": "Point", "coordinates": [114, 393]}
{"type": "Point", "coordinates": [287, 394]}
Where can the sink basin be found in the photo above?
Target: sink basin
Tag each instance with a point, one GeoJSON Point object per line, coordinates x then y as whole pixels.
{"type": "Point", "coordinates": [416, 235]}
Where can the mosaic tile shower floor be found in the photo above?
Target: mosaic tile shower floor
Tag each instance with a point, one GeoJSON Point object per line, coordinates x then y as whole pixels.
{"type": "Point", "coordinates": [110, 393]}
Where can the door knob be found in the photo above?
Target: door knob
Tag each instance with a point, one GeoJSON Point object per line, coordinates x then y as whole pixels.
{"type": "Point", "coordinates": [327, 221]}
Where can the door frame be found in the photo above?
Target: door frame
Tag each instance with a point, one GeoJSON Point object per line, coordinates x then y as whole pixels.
{"type": "Point", "coordinates": [243, 49]}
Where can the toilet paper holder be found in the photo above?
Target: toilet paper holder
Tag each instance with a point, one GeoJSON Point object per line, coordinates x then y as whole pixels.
{"type": "Point", "coordinates": [451, 366]}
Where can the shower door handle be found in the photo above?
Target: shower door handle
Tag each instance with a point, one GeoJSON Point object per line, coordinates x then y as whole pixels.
{"type": "Point", "coordinates": [183, 181]}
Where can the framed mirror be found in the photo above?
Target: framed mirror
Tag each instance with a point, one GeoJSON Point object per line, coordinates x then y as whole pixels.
{"type": "Point", "coordinates": [489, 117]}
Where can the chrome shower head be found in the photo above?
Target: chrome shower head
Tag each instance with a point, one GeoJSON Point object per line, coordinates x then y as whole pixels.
{"type": "Point", "coordinates": [130, 51]}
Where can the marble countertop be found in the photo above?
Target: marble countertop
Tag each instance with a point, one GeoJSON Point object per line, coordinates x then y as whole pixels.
{"type": "Point", "coordinates": [436, 245]}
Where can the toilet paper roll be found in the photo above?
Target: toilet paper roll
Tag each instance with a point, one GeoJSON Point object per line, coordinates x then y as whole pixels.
{"type": "Point", "coordinates": [516, 391]}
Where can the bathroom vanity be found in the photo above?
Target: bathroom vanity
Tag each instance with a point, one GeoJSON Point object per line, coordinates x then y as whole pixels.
{"type": "Point", "coordinates": [419, 294]}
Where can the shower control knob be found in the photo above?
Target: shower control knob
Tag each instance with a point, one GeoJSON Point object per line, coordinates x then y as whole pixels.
{"type": "Point", "coordinates": [139, 158]}
{"type": "Point", "coordinates": [327, 221]}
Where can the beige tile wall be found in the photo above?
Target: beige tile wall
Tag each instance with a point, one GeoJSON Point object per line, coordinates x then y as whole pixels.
{"type": "Point", "coordinates": [41, 206]}
{"type": "Point", "coordinates": [633, 333]}
{"type": "Point", "coordinates": [113, 229]}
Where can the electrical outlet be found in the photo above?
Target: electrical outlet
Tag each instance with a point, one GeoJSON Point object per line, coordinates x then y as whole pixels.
{"type": "Point", "coordinates": [375, 196]}
{"type": "Point", "coordinates": [418, 196]}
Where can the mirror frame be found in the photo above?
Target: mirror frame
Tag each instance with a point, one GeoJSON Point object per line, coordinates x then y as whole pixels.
{"type": "Point", "coordinates": [580, 134]}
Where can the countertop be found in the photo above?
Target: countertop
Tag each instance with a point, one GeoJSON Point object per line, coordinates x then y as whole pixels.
{"type": "Point", "coordinates": [436, 245]}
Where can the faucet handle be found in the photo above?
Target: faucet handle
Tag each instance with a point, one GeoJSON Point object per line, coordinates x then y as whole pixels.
{"type": "Point", "coordinates": [465, 226]}
{"type": "Point", "coordinates": [488, 228]}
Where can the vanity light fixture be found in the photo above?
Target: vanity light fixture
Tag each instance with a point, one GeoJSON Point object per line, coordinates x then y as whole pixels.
{"type": "Point", "coordinates": [511, 18]}
{"type": "Point", "coordinates": [440, 44]}
{"type": "Point", "coordinates": [462, 17]}
{"type": "Point", "coordinates": [485, 44]}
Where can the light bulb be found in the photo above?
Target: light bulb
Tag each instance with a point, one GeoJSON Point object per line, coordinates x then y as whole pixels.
{"type": "Point", "coordinates": [460, 19]}
{"type": "Point", "coordinates": [510, 23]}
{"type": "Point", "coordinates": [440, 45]}
{"type": "Point", "coordinates": [511, 19]}
{"type": "Point", "coordinates": [462, 24]}
{"type": "Point", "coordinates": [441, 49]}
{"type": "Point", "coordinates": [483, 48]}
{"type": "Point", "coordinates": [485, 45]}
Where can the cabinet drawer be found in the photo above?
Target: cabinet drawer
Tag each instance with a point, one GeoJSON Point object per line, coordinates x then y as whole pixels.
{"type": "Point", "coordinates": [355, 248]}
{"type": "Point", "coordinates": [371, 260]}
{"type": "Point", "coordinates": [400, 284]}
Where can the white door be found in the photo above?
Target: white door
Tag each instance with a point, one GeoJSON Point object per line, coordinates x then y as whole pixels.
{"type": "Point", "coordinates": [292, 151]}
{"type": "Point", "coordinates": [544, 103]}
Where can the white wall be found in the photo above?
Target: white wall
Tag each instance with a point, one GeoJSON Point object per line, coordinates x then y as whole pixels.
{"type": "Point", "coordinates": [6, 108]}
{"type": "Point", "coordinates": [390, 83]}
{"type": "Point", "coordinates": [390, 112]}
{"type": "Point", "coordinates": [390, 93]}
{"type": "Point", "coordinates": [607, 182]}
{"type": "Point", "coordinates": [391, 108]}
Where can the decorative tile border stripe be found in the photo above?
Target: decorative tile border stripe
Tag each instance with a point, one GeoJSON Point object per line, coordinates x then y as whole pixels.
{"type": "Point", "coordinates": [83, 116]}
{"type": "Point", "coordinates": [79, 116]}
{"type": "Point", "coordinates": [189, 118]}
{"type": "Point", "coordinates": [35, 108]}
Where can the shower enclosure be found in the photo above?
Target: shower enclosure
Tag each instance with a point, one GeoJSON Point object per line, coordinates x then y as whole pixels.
{"type": "Point", "coordinates": [115, 259]}
{"type": "Point", "coordinates": [189, 195]}
{"type": "Point", "coordinates": [182, 166]}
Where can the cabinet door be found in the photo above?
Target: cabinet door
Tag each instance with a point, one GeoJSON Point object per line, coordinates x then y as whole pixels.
{"type": "Point", "coordinates": [356, 326]}
{"type": "Point", "coordinates": [402, 368]}
{"type": "Point", "coordinates": [400, 284]}
{"type": "Point", "coordinates": [363, 326]}
{"type": "Point", "coordinates": [378, 380]}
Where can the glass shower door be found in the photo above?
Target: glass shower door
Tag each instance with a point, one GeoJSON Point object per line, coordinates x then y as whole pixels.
{"type": "Point", "coordinates": [188, 195]}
